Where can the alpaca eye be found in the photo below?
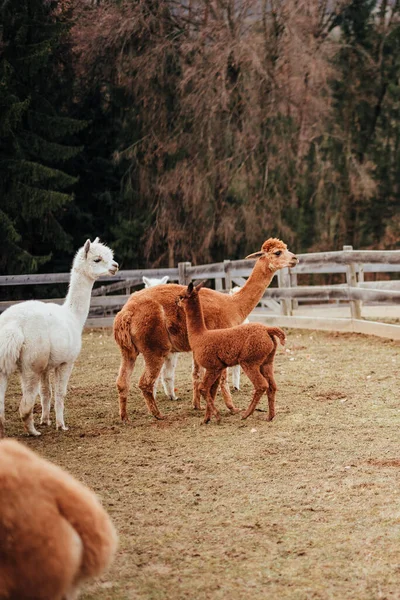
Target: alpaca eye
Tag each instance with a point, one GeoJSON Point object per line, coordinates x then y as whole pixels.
{"type": "Point", "coordinates": [278, 253]}
{"type": "Point", "coordinates": [97, 260]}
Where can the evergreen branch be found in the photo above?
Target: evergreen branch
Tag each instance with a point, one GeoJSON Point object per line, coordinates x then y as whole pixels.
{"type": "Point", "coordinates": [55, 127]}
{"type": "Point", "coordinates": [38, 174]}
{"type": "Point", "coordinates": [43, 150]}
{"type": "Point", "coordinates": [37, 203]}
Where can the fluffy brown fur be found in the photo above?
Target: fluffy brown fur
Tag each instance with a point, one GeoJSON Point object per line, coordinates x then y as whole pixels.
{"type": "Point", "coordinates": [252, 346]}
{"type": "Point", "coordinates": [54, 534]}
{"type": "Point", "coordinates": [153, 324]}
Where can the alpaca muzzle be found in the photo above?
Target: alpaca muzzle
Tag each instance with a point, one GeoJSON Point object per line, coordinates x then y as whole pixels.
{"type": "Point", "coordinates": [114, 268]}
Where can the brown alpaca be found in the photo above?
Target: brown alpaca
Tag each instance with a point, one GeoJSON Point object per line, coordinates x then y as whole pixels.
{"type": "Point", "coordinates": [54, 534]}
{"type": "Point", "coordinates": [153, 324]}
{"type": "Point", "coordinates": [252, 346]}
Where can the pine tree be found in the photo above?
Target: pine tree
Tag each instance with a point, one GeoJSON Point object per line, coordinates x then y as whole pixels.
{"type": "Point", "coordinates": [36, 137]}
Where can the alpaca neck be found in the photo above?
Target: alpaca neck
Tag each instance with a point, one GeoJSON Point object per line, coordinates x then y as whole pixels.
{"type": "Point", "coordinates": [78, 297]}
{"type": "Point", "coordinates": [194, 318]}
{"type": "Point", "coordinates": [247, 298]}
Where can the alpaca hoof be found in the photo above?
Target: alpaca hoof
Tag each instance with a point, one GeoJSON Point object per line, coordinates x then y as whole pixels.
{"type": "Point", "coordinates": [234, 410]}
{"type": "Point", "coordinates": [45, 421]}
{"type": "Point", "coordinates": [62, 427]}
{"type": "Point", "coordinates": [159, 416]}
{"type": "Point", "coordinates": [34, 433]}
{"type": "Point", "coordinates": [244, 416]}
{"type": "Point", "coordinates": [270, 418]}
{"type": "Point", "coordinates": [125, 418]}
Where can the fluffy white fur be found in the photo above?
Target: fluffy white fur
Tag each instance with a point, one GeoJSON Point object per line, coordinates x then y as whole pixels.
{"type": "Point", "coordinates": [37, 337]}
{"type": "Point", "coordinates": [151, 282]}
{"type": "Point", "coordinates": [167, 373]}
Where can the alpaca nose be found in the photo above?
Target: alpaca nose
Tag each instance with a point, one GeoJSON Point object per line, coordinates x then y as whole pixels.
{"type": "Point", "coordinates": [295, 260]}
{"type": "Point", "coordinates": [114, 267]}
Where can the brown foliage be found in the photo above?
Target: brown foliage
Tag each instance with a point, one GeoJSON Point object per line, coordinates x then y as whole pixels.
{"type": "Point", "coordinates": [229, 97]}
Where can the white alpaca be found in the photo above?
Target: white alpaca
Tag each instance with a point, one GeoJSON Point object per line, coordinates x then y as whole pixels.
{"type": "Point", "coordinates": [37, 337]}
{"type": "Point", "coordinates": [167, 373]}
{"type": "Point", "coordinates": [236, 368]}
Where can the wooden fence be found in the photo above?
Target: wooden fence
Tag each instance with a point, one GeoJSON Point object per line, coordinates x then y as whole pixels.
{"type": "Point", "coordinates": [280, 304]}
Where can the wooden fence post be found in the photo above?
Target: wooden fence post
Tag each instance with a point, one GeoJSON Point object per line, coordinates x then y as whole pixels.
{"type": "Point", "coordinates": [218, 284]}
{"type": "Point", "coordinates": [228, 278]}
{"type": "Point", "coordinates": [351, 279]}
{"type": "Point", "coordinates": [293, 283]}
{"type": "Point", "coordinates": [284, 281]}
{"type": "Point", "coordinates": [184, 277]}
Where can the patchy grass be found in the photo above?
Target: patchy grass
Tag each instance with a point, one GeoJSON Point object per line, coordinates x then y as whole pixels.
{"type": "Point", "coordinates": [306, 507]}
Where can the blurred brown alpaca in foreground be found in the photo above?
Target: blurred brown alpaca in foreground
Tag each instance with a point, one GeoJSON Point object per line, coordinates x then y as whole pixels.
{"type": "Point", "coordinates": [252, 346]}
{"type": "Point", "coordinates": [54, 534]}
{"type": "Point", "coordinates": [151, 323]}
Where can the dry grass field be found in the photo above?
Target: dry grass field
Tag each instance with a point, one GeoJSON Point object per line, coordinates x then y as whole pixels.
{"type": "Point", "coordinates": [306, 507]}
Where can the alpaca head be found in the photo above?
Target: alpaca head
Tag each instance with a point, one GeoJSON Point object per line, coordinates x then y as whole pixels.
{"type": "Point", "coordinates": [274, 255]}
{"type": "Point", "coordinates": [191, 293]}
{"type": "Point", "coordinates": [149, 282]}
{"type": "Point", "coordinates": [95, 260]}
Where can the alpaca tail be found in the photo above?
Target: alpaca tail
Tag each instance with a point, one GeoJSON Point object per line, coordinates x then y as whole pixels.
{"type": "Point", "coordinates": [277, 332]}
{"type": "Point", "coordinates": [122, 330]}
{"type": "Point", "coordinates": [11, 341]}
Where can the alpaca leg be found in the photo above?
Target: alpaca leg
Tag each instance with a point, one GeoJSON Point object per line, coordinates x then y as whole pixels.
{"type": "Point", "coordinates": [260, 386]}
{"type": "Point", "coordinates": [227, 394]}
{"type": "Point", "coordinates": [30, 388]}
{"type": "Point", "coordinates": [3, 387]}
{"type": "Point", "coordinates": [62, 375]}
{"type": "Point", "coordinates": [157, 383]}
{"type": "Point", "coordinates": [72, 594]}
{"type": "Point", "coordinates": [208, 390]}
{"type": "Point", "coordinates": [153, 365]}
{"type": "Point", "coordinates": [123, 382]}
{"type": "Point", "coordinates": [236, 377]}
{"type": "Point", "coordinates": [213, 393]}
{"type": "Point", "coordinates": [45, 398]}
{"type": "Point", "coordinates": [196, 370]}
{"type": "Point", "coordinates": [268, 371]}
{"type": "Point", "coordinates": [168, 375]}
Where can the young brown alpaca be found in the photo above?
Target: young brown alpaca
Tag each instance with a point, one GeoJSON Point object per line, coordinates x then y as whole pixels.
{"type": "Point", "coordinates": [252, 346]}
{"type": "Point", "coordinates": [54, 534]}
{"type": "Point", "coordinates": [153, 324]}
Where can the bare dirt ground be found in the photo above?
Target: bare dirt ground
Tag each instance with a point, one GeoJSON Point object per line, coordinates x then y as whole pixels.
{"type": "Point", "coordinates": [306, 507]}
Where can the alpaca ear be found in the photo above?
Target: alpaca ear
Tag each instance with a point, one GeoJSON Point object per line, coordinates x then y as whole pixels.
{"type": "Point", "coordinates": [190, 288]}
{"type": "Point", "coordinates": [146, 281]}
{"type": "Point", "coordinates": [165, 279]}
{"type": "Point", "coordinates": [200, 285]}
{"type": "Point", "coordinates": [96, 241]}
{"type": "Point", "coordinates": [86, 248]}
{"type": "Point", "coordinates": [255, 255]}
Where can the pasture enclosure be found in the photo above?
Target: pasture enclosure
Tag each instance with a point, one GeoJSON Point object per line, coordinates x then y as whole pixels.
{"type": "Point", "coordinates": [283, 302]}
{"type": "Point", "coordinates": [303, 508]}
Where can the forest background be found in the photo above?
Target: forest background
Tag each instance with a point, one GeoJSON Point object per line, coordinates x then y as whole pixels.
{"type": "Point", "coordinates": [194, 129]}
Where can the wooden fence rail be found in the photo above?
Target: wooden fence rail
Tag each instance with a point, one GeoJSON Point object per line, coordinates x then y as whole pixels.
{"type": "Point", "coordinates": [282, 300]}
